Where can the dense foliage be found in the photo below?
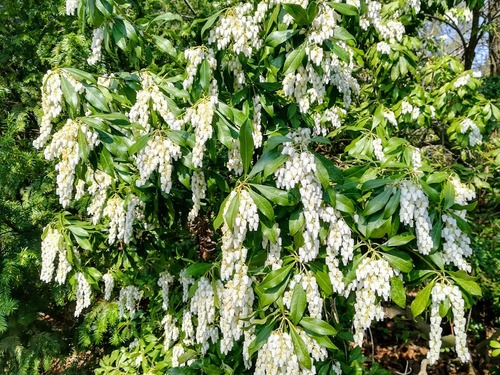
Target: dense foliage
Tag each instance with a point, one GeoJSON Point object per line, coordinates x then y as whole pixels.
{"type": "Point", "coordinates": [248, 191]}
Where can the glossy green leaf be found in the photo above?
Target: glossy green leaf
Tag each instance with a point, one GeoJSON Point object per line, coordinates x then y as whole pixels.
{"type": "Point", "coordinates": [399, 260]}
{"type": "Point", "coordinates": [422, 300]}
{"type": "Point", "coordinates": [294, 60]}
{"type": "Point", "coordinates": [298, 13]}
{"type": "Point", "coordinates": [197, 269]}
{"type": "Point", "coordinates": [275, 195]}
{"type": "Point", "coordinates": [276, 277]}
{"type": "Point", "coordinates": [298, 304]}
{"type": "Point", "coordinates": [232, 211]}
{"type": "Point", "coordinates": [378, 202]}
{"type": "Point", "coordinates": [277, 37]}
{"type": "Point", "coordinates": [262, 204]}
{"type": "Point", "coordinates": [96, 98]}
{"type": "Point", "coordinates": [345, 9]}
{"type": "Point", "coordinates": [317, 326]}
{"type": "Point", "coordinates": [401, 239]}
{"type": "Point", "coordinates": [139, 144]}
{"type": "Point", "coordinates": [246, 145]}
{"type": "Point", "coordinates": [69, 93]}
{"type": "Point", "coordinates": [398, 292]}
{"type": "Point", "coordinates": [261, 338]}
{"type": "Point", "coordinates": [300, 349]}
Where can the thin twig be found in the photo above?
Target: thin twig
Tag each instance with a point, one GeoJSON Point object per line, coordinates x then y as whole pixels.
{"type": "Point", "coordinates": [190, 7]}
{"type": "Point", "coordinates": [373, 344]}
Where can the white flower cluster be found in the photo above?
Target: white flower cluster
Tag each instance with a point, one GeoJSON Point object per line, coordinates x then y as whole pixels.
{"type": "Point", "coordinates": [52, 98]}
{"type": "Point", "coordinates": [322, 28]}
{"type": "Point", "coordinates": [440, 292]}
{"type": "Point", "coordinates": [329, 116]}
{"type": "Point", "coordinates": [462, 81]}
{"type": "Point", "coordinates": [195, 57]}
{"type": "Point", "coordinates": [475, 137]}
{"type": "Point", "coordinates": [98, 188]}
{"type": "Point", "coordinates": [338, 243]}
{"type": "Point", "coordinates": [456, 245]}
{"type": "Point", "coordinates": [238, 30]}
{"type": "Point", "coordinates": [234, 67]}
{"type": "Point", "coordinates": [200, 116]}
{"type": "Point", "coordinates": [378, 149]}
{"type": "Point", "coordinates": [203, 306]}
{"type": "Point", "coordinates": [234, 161]}
{"type": "Point", "coordinates": [300, 169]}
{"type": "Point", "coordinates": [416, 159]}
{"type": "Point", "coordinates": [388, 29]}
{"type": "Point", "coordinates": [129, 297]}
{"type": "Point", "coordinates": [389, 116]}
{"type": "Point", "coordinates": [96, 54]}
{"type": "Point", "coordinates": [383, 48]}
{"type": "Point", "coordinates": [109, 284]}
{"type": "Point", "coordinates": [164, 281]}
{"type": "Point", "coordinates": [171, 331]}
{"type": "Point", "coordinates": [186, 282]}
{"type": "Point", "coordinates": [277, 356]}
{"type": "Point", "coordinates": [71, 7]}
{"type": "Point", "coordinates": [413, 212]}
{"type": "Point", "coordinates": [187, 328]}
{"type": "Point", "coordinates": [316, 351]}
{"type": "Point", "coordinates": [140, 110]}
{"type": "Point", "coordinates": [199, 187]}
{"type": "Point", "coordinates": [236, 301]}
{"type": "Point", "coordinates": [372, 281]}
{"type": "Point", "coordinates": [105, 80]}
{"type": "Point", "coordinates": [158, 154]}
{"type": "Point", "coordinates": [246, 219]}
{"type": "Point", "coordinates": [408, 108]}
{"type": "Point", "coordinates": [122, 215]}
{"type": "Point", "coordinates": [83, 293]}
{"type": "Point", "coordinates": [177, 352]}
{"type": "Point", "coordinates": [52, 248]}
{"type": "Point", "coordinates": [313, 297]}
{"type": "Point", "coordinates": [257, 122]}
{"type": "Point", "coordinates": [64, 146]}
{"type": "Point", "coordinates": [274, 254]}
{"type": "Point", "coordinates": [307, 86]}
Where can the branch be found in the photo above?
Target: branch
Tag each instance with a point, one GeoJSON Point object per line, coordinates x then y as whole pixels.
{"type": "Point", "coordinates": [190, 7]}
{"type": "Point", "coordinates": [453, 26]}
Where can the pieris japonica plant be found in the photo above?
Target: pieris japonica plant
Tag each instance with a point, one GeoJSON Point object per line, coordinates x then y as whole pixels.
{"type": "Point", "coordinates": [255, 204]}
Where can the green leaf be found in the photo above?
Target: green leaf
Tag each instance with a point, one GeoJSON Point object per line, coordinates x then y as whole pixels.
{"type": "Point", "coordinates": [197, 269]}
{"type": "Point", "coordinates": [232, 210]}
{"type": "Point", "coordinates": [275, 195]}
{"type": "Point", "coordinates": [312, 12]}
{"type": "Point", "coordinates": [167, 16]}
{"type": "Point", "coordinates": [300, 349]}
{"type": "Point", "coordinates": [345, 9]}
{"type": "Point", "coordinates": [392, 205]}
{"type": "Point", "coordinates": [276, 277]}
{"type": "Point", "coordinates": [399, 260]}
{"type": "Point", "coordinates": [422, 300]}
{"type": "Point", "coordinates": [296, 222]}
{"type": "Point", "coordinates": [344, 204]}
{"type": "Point", "coordinates": [69, 93]}
{"type": "Point", "coordinates": [377, 203]}
{"type": "Point", "coordinates": [261, 338]}
{"type": "Point", "coordinates": [139, 145]}
{"type": "Point", "coordinates": [437, 177]}
{"type": "Point", "coordinates": [220, 216]}
{"type": "Point", "coordinates": [294, 60]}
{"type": "Point", "coordinates": [401, 239]}
{"type": "Point", "coordinates": [322, 173]}
{"type": "Point", "coordinates": [210, 21]}
{"type": "Point", "coordinates": [334, 173]}
{"type": "Point", "coordinates": [317, 326]}
{"type": "Point", "coordinates": [273, 142]}
{"type": "Point", "coordinates": [262, 204]}
{"type": "Point", "coordinates": [298, 13]}
{"type": "Point", "coordinates": [298, 304]}
{"type": "Point", "coordinates": [106, 162]}
{"type": "Point", "coordinates": [324, 282]}
{"type": "Point", "coordinates": [96, 98]}
{"type": "Point", "coordinates": [246, 145]}
{"type": "Point", "coordinates": [398, 292]}
{"type": "Point", "coordinates": [342, 34]}
{"type": "Point", "coordinates": [470, 286]}
{"type": "Point", "coordinates": [205, 76]}
{"type": "Point", "coordinates": [165, 45]}
{"type": "Point", "coordinates": [277, 37]}
{"type": "Point", "coordinates": [448, 195]}
{"type": "Point", "coordinates": [83, 76]}
{"type": "Point", "coordinates": [340, 52]}
{"type": "Point", "coordinates": [83, 149]}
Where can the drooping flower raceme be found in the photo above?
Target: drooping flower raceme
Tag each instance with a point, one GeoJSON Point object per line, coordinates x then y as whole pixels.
{"type": "Point", "coordinates": [129, 297]}
{"type": "Point", "coordinates": [439, 293]}
{"type": "Point", "coordinates": [83, 293]}
{"type": "Point", "coordinates": [96, 54]}
{"type": "Point", "coordinates": [372, 284]}
{"type": "Point", "coordinates": [109, 284]}
{"type": "Point", "coordinates": [414, 212]}
{"type": "Point", "coordinates": [198, 186]}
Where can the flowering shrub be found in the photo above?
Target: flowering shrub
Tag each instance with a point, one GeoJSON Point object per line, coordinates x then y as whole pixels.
{"type": "Point", "coordinates": [256, 204]}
